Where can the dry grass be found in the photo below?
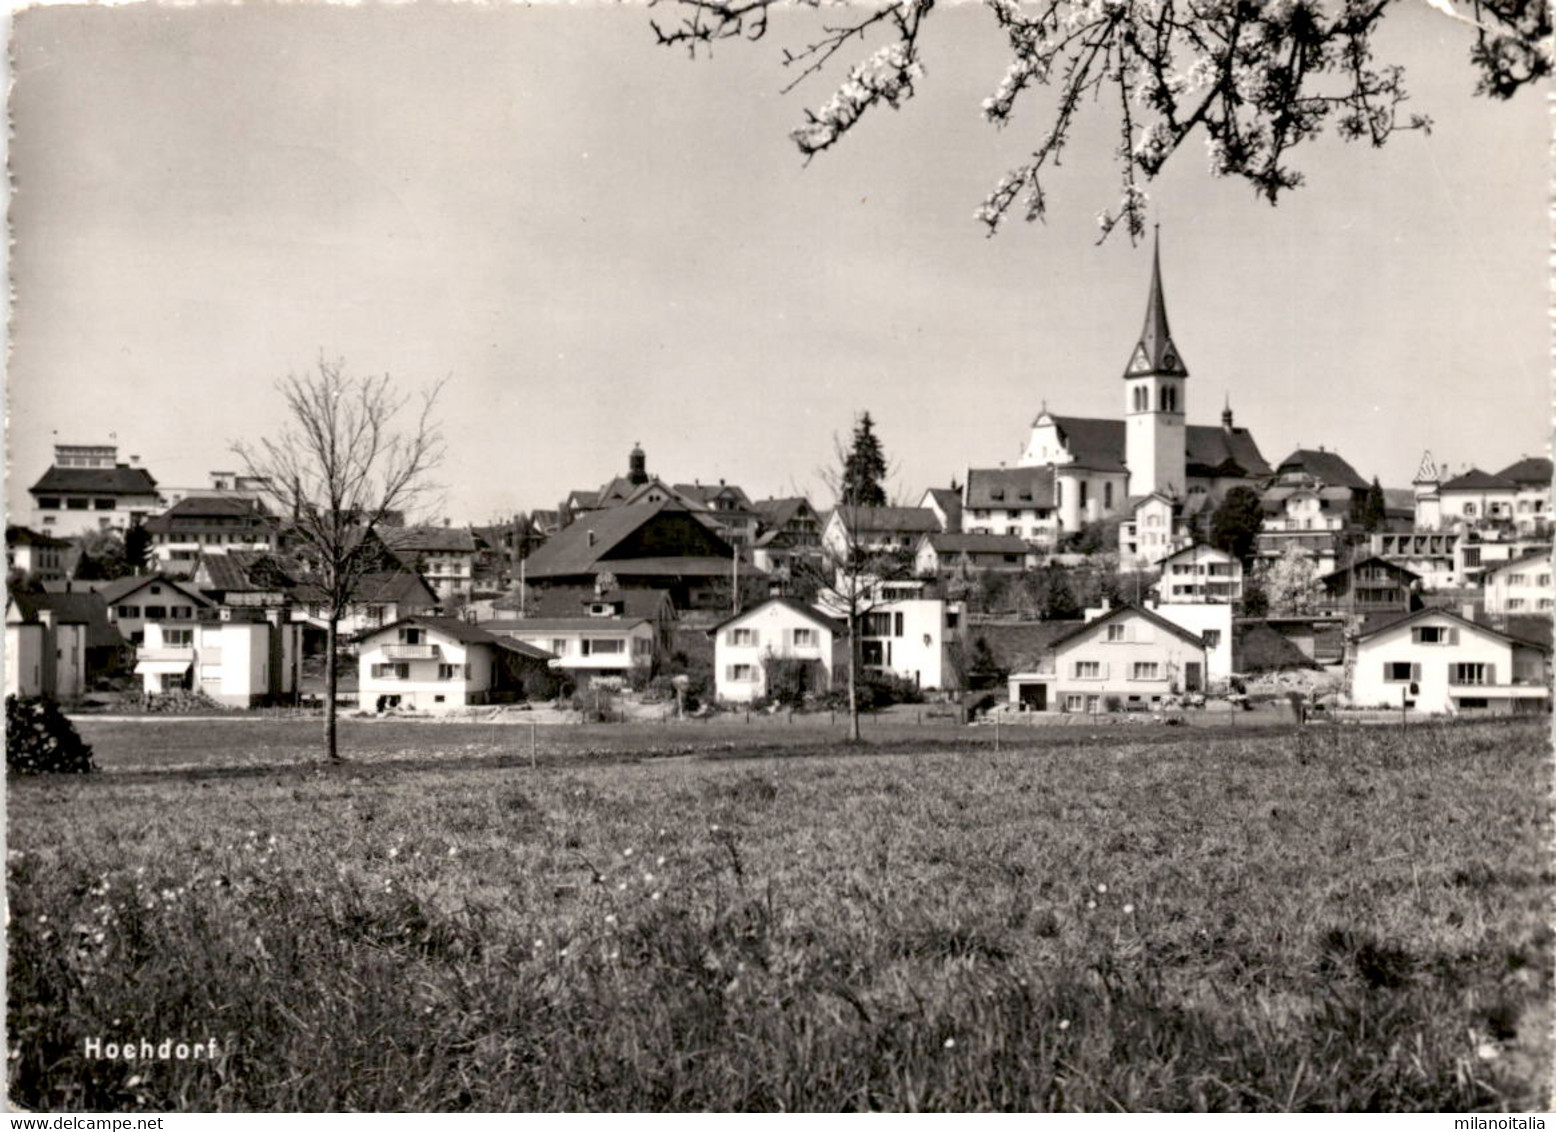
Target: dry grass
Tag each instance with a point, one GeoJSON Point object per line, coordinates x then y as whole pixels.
{"type": "Point", "coordinates": [1342, 919]}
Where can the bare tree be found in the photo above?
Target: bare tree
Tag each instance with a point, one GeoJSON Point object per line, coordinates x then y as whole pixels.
{"type": "Point", "coordinates": [850, 569]}
{"type": "Point", "coordinates": [338, 468]}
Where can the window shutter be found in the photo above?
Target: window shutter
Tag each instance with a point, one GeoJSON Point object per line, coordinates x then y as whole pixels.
{"type": "Point", "coordinates": [756, 637]}
{"type": "Point", "coordinates": [1415, 673]}
{"type": "Point", "coordinates": [1415, 635]}
{"type": "Point", "coordinates": [1102, 671]}
{"type": "Point", "coordinates": [1491, 674]}
{"type": "Point", "coordinates": [729, 672]}
{"type": "Point", "coordinates": [1453, 636]}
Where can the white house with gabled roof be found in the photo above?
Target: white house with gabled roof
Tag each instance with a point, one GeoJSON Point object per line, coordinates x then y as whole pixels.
{"type": "Point", "coordinates": [1125, 657]}
{"type": "Point", "coordinates": [1435, 661]}
{"type": "Point", "coordinates": [438, 664]}
{"type": "Point", "coordinates": [780, 628]}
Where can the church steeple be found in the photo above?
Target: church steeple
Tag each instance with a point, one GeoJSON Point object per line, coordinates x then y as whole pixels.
{"type": "Point", "coordinates": [1155, 353]}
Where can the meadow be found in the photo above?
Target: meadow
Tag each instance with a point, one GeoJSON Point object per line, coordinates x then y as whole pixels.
{"type": "Point", "coordinates": [671, 918]}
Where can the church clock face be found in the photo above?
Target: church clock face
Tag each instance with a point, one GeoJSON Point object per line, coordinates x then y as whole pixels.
{"type": "Point", "coordinates": [1170, 360]}
{"type": "Point", "coordinates": [1140, 363]}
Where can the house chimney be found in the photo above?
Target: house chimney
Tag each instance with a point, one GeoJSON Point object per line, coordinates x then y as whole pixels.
{"type": "Point", "coordinates": [590, 536]}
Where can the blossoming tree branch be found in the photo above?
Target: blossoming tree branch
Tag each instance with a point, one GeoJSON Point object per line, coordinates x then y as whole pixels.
{"type": "Point", "coordinates": [1253, 79]}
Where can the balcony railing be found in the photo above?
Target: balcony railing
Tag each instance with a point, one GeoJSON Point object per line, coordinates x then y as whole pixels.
{"type": "Point", "coordinates": [411, 652]}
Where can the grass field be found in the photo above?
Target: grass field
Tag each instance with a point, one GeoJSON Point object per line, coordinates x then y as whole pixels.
{"type": "Point", "coordinates": [662, 918]}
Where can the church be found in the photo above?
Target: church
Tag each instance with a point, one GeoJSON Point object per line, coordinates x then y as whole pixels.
{"type": "Point", "coordinates": [1150, 468]}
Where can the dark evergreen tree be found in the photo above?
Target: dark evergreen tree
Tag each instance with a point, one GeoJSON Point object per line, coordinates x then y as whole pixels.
{"type": "Point", "coordinates": [1059, 602]}
{"type": "Point", "coordinates": [1235, 527]}
{"type": "Point", "coordinates": [983, 669]}
{"type": "Point", "coordinates": [1256, 602]}
{"type": "Point", "coordinates": [137, 548]}
{"type": "Point", "coordinates": [1374, 510]}
{"type": "Point", "coordinates": [864, 468]}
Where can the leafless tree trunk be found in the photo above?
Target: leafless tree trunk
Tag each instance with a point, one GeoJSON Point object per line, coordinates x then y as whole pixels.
{"type": "Point", "coordinates": [337, 468]}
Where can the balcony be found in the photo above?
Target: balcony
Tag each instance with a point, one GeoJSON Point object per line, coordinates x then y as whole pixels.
{"type": "Point", "coordinates": [411, 652]}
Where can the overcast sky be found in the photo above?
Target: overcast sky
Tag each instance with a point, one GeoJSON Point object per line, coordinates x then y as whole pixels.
{"type": "Point", "coordinates": [599, 242]}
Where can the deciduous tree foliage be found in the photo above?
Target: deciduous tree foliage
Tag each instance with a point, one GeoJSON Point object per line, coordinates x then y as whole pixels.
{"type": "Point", "coordinates": [1251, 79]}
{"type": "Point", "coordinates": [1235, 526]}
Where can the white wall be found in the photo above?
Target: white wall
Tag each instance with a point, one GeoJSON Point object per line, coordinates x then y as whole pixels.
{"type": "Point", "coordinates": [771, 630]}
{"type": "Point", "coordinates": [23, 659]}
{"type": "Point", "coordinates": [1371, 688]}
{"type": "Point", "coordinates": [1115, 660]}
{"type": "Point", "coordinates": [422, 689]}
{"type": "Point", "coordinates": [1200, 618]}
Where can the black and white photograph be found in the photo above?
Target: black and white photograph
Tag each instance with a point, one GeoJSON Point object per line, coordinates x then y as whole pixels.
{"type": "Point", "coordinates": [780, 556]}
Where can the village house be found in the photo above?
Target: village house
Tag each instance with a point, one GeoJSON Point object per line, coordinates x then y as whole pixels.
{"type": "Point", "coordinates": [40, 557]}
{"type": "Point", "coordinates": [45, 648]}
{"type": "Point", "coordinates": [135, 602]}
{"type": "Point", "coordinates": [1435, 661]}
{"type": "Point", "coordinates": [440, 664]}
{"type": "Point", "coordinates": [946, 503]}
{"type": "Point", "coordinates": [779, 628]}
{"type": "Point", "coordinates": [1125, 658]}
{"type": "Point", "coordinates": [1200, 573]}
{"type": "Point", "coordinates": [1531, 479]}
{"type": "Point", "coordinates": [940, 553]}
{"type": "Point", "coordinates": [1368, 586]}
{"type": "Point", "coordinates": [875, 530]}
{"type": "Point", "coordinates": [1521, 585]}
{"type": "Point", "coordinates": [444, 556]}
{"type": "Point", "coordinates": [1016, 502]}
{"type": "Point", "coordinates": [238, 657]}
{"type": "Point", "coordinates": [906, 634]}
{"type": "Point", "coordinates": [107, 652]}
{"type": "Point", "coordinates": [379, 598]}
{"type": "Point", "coordinates": [789, 535]}
{"type": "Point", "coordinates": [1431, 554]}
{"type": "Point", "coordinates": [88, 490]}
{"type": "Point", "coordinates": [205, 525]}
{"type": "Point", "coordinates": [658, 546]}
{"type": "Point", "coordinates": [594, 633]}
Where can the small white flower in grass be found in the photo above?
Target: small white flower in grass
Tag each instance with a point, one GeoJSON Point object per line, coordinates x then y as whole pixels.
{"type": "Point", "coordinates": [132, 1082]}
{"type": "Point", "coordinates": [1128, 909]}
{"type": "Point", "coordinates": [1102, 888]}
{"type": "Point", "coordinates": [611, 919]}
{"type": "Point", "coordinates": [656, 896]}
{"type": "Point", "coordinates": [626, 852]}
{"type": "Point", "coordinates": [713, 829]}
{"type": "Point", "coordinates": [648, 878]}
{"type": "Point", "coordinates": [660, 862]}
{"type": "Point", "coordinates": [1487, 1051]}
{"type": "Point", "coordinates": [453, 851]}
{"type": "Point", "coordinates": [1091, 905]}
{"type": "Point", "coordinates": [394, 852]}
{"type": "Point", "coordinates": [1064, 1023]}
{"type": "Point", "coordinates": [622, 887]}
{"type": "Point", "coordinates": [950, 1043]}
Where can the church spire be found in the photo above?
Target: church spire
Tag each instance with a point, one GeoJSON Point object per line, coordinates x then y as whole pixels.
{"type": "Point", "coordinates": [1155, 353]}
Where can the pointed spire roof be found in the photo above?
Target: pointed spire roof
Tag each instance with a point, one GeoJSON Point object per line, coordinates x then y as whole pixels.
{"type": "Point", "coordinates": [1427, 472]}
{"type": "Point", "coordinates": [1155, 353]}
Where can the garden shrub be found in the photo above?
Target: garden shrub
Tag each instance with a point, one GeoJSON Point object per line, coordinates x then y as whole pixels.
{"type": "Point", "coordinates": [40, 740]}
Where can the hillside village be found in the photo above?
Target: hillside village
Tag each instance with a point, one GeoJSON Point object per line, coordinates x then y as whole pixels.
{"type": "Point", "coordinates": [1130, 564]}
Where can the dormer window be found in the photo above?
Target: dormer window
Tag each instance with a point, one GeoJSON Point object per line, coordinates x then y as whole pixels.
{"type": "Point", "coordinates": [410, 635]}
{"type": "Point", "coordinates": [997, 493]}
